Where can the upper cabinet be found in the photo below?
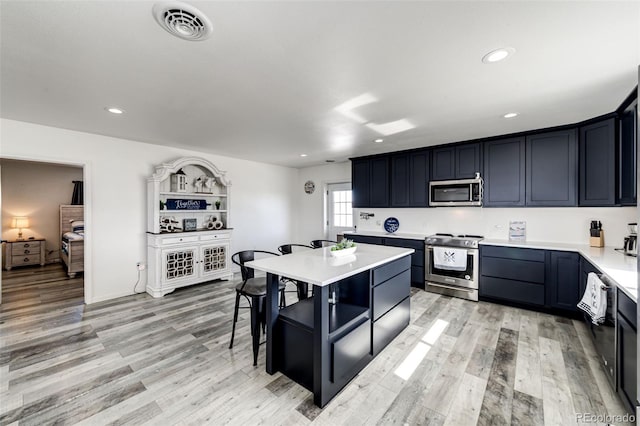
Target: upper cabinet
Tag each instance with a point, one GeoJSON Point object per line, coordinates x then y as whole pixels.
{"type": "Point", "coordinates": [504, 173]}
{"type": "Point", "coordinates": [551, 170]}
{"type": "Point", "coordinates": [370, 181]}
{"type": "Point", "coordinates": [410, 179]}
{"type": "Point", "coordinates": [627, 155]}
{"type": "Point", "coordinates": [597, 164]}
{"type": "Point", "coordinates": [456, 162]}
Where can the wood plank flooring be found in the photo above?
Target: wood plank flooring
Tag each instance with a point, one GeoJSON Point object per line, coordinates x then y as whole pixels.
{"type": "Point", "coordinates": [138, 360]}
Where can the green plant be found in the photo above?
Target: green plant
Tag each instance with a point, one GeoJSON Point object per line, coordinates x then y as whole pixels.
{"type": "Point", "coordinates": [218, 204]}
{"type": "Point", "coordinates": [344, 244]}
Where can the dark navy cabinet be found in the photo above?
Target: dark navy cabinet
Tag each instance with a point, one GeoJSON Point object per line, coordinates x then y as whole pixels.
{"type": "Point", "coordinates": [456, 162]}
{"type": "Point", "coordinates": [627, 351]}
{"type": "Point", "coordinates": [551, 169]}
{"type": "Point", "coordinates": [417, 258]}
{"type": "Point", "coordinates": [598, 164]}
{"type": "Point", "coordinates": [504, 173]}
{"type": "Point", "coordinates": [627, 155]}
{"type": "Point", "coordinates": [563, 280]}
{"type": "Point", "coordinates": [370, 181]}
{"type": "Point", "coordinates": [410, 179]}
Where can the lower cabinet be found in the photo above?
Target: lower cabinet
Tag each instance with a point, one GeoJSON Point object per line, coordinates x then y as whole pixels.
{"type": "Point", "coordinates": [530, 277]}
{"type": "Point", "coordinates": [178, 260]}
{"type": "Point", "coordinates": [627, 351]}
{"type": "Point", "coordinates": [563, 281]}
{"type": "Point", "coordinates": [417, 258]}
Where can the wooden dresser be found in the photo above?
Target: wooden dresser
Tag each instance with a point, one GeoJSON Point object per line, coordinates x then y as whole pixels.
{"type": "Point", "coordinates": [24, 253]}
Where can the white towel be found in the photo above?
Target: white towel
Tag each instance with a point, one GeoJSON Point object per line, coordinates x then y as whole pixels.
{"type": "Point", "coordinates": [594, 300]}
{"type": "Point", "coordinates": [450, 259]}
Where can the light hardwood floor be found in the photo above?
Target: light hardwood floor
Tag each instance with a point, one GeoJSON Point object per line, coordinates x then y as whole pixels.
{"type": "Point", "coordinates": [139, 360]}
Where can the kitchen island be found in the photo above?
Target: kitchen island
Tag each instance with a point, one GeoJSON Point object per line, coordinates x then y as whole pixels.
{"type": "Point", "coordinates": [323, 344]}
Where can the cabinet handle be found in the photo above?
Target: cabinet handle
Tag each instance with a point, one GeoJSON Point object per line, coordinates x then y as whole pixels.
{"type": "Point", "coordinates": [26, 245]}
{"type": "Point", "coordinates": [27, 252]}
{"type": "Point", "coordinates": [26, 259]}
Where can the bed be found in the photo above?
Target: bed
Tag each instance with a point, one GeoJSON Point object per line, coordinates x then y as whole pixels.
{"type": "Point", "coordinates": [72, 238]}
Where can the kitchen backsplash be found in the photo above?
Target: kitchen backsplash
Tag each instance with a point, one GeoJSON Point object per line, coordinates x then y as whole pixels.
{"type": "Point", "coordinates": [558, 224]}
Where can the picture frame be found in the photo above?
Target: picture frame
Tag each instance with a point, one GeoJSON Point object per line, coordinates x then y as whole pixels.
{"type": "Point", "coordinates": [190, 224]}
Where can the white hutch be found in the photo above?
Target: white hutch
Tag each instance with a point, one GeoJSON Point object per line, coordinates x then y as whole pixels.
{"type": "Point", "coordinates": [188, 225]}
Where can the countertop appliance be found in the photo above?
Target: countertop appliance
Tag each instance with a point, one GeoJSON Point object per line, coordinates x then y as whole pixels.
{"type": "Point", "coordinates": [460, 282]}
{"type": "Point", "coordinates": [452, 193]}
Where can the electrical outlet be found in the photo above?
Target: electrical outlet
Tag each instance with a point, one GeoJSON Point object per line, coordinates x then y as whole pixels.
{"type": "Point", "coordinates": [378, 222]}
{"type": "Point", "coordinates": [141, 266]}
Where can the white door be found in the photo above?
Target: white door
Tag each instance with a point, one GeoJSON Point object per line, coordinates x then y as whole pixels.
{"type": "Point", "coordinates": [339, 209]}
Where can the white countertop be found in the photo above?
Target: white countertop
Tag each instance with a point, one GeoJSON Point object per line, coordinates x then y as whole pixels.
{"type": "Point", "coordinates": [387, 234]}
{"type": "Point", "coordinates": [616, 266]}
{"type": "Point", "coordinates": [318, 267]}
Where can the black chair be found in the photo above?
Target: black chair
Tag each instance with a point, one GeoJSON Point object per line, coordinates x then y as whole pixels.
{"type": "Point", "coordinates": [255, 291]}
{"type": "Point", "coordinates": [322, 243]}
{"type": "Point", "coordinates": [302, 288]}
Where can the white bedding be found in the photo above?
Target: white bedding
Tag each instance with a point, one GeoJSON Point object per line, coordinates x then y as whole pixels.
{"type": "Point", "coordinates": [72, 236]}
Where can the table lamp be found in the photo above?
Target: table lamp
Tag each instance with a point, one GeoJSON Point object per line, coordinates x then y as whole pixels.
{"type": "Point", "coordinates": [20, 222]}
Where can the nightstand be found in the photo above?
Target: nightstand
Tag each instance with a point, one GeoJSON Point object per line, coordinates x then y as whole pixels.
{"type": "Point", "coordinates": [24, 253]}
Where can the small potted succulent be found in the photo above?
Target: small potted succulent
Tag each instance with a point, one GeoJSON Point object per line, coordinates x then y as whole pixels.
{"type": "Point", "coordinates": [218, 204]}
{"type": "Point", "coordinates": [343, 248]}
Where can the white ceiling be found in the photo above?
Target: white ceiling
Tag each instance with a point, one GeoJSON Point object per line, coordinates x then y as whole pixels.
{"type": "Point", "coordinates": [266, 84]}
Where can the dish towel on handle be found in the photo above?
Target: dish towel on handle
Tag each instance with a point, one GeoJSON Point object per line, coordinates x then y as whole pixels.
{"type": "Point", "coordinates": [594, 300]}
{"type": "Point", "coordinates": [450, 259]}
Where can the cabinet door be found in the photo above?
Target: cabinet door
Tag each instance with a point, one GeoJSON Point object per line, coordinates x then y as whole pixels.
{"type": "Point", "coordinates": [419, 178]}
{"type": "Point", "coordinates": [360, 182]}
{"type": "Point", "coordinates": [400, 180]}
{"type": "Point", "coordinates": [627, 157]}
{"type": "Point", "coordinates": [366, 239]}
{"type": "Point", "coordinates": [504, 173]}
{"type": "Point", "coordinates": [443, 166]}
{"type": "Point", "coordinates": [551, 170]}
{"type": "Point", "coordinates": [627, 355]}
{"type": "Point", "coordinates": [179, 264]}
{"type": "Point", "coordinates": [563, 281]}
{"type": "Point", "coordinates": [379, 178]}
{"type": "Point", "coordinates": [213, 259]}
{"type": "Point", "coordinates": [467, 160]}
{"type": "Point", "coordinates": [597, 164]}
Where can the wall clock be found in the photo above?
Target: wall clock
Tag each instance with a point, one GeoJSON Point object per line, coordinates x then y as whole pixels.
{"type": "Point", "coordinates": [309, 187]}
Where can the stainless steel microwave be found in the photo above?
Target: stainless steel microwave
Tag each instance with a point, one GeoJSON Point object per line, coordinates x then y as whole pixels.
{"type": "Point", "coordinates": [452, 193]}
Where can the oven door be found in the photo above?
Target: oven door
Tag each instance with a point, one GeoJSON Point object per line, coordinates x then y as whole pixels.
{"type": "Point", "coordinates": [466, 278]}
{"type": "Point", "coordinates": [604, 335]}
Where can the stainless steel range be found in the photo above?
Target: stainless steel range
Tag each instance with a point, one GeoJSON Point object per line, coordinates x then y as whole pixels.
{"type": "Point", "coordinates": [451, 265]}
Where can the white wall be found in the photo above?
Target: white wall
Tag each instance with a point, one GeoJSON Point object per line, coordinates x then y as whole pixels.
{"type": "Point", "coordinates": [558, 224]}
{"type": "Point", "coordinates": [115, 184]}
{"type": "Point", "coordinates": [36, 190]}
{"type": "Point", "coordinates": [309, 224]}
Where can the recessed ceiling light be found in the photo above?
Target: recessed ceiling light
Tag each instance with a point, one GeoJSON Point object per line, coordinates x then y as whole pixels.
{"type": "Point", "coordinates": [378, 140]}
{"type": "Point", "coordinates": [498, 55]}
{"type": "Point", "coordinates": [113, 110]}
{"type": "Point", "coordinates": [303, 155]}
{"type": "Point", "coordinates": [510, 115]}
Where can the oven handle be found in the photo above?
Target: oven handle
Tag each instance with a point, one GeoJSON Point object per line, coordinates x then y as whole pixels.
{"type": "Point", "coordinates": [450, 287]}
{"type": "Point", "coordinates": [603, 286]}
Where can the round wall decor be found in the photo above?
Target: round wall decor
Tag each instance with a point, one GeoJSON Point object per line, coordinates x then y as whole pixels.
{"type": "Point", "coordinates": [309, 187]}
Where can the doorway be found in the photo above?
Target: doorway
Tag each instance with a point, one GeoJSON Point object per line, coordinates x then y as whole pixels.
{"type": "Point", "coordinates": [339, 209]}
{"type": "Point", "coordinates": [31, 194]}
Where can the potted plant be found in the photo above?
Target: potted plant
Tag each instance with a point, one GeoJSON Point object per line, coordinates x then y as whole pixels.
{"type": "Point", "coordinates": [345, 247]}
{"type": "Point", "coordinates": [217, 204]}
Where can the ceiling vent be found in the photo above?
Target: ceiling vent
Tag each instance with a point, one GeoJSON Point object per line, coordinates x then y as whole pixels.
{"type": "Point", "coordinates": [182, 20]}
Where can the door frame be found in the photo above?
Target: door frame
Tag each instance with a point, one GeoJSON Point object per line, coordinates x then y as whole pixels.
{"type": "Point", "coordinates": [325, 203]}
{"type": "Point", "coordinates": [86, 177]}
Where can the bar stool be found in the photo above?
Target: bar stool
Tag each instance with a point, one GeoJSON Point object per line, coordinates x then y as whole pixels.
{"type": "Point", "coordinates": [302, 288]}
{"type": "Point", "coordinates": [255, 291]}
{"type": "Point", "coordinates": [322, 243]}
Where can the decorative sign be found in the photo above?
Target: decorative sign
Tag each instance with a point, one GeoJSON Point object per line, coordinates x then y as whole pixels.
{"type": "Point", "coordinates": [189, 224]}
{"type": "Point", "coordinates": [181, 204]}
{"type": "Point", "coordinates": [517, 230]}
{"type": "Point", "coordinates": [309, 187]}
